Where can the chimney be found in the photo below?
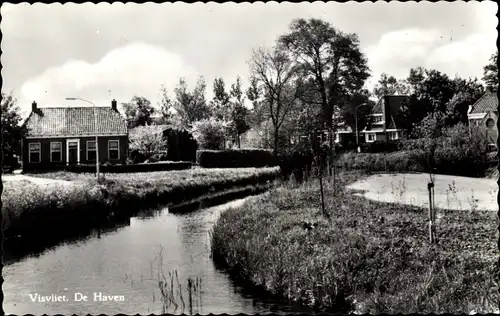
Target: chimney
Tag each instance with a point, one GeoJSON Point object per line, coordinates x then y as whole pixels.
{"type": "Point", "coordinates": [113, 105]}
{"type": "Point", "coordinates": [33, 106]}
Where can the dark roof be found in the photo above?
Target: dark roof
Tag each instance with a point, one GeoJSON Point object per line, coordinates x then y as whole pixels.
{"type": "Point", "coordinates": [488, 102]}
{"type": "Point", "coordinates": [393, 105]}
{"type": "Point", "coordinates": [74, 121]}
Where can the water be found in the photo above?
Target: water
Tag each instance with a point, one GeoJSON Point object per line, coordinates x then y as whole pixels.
{"type": "Point", "coordinates": [125, 263]}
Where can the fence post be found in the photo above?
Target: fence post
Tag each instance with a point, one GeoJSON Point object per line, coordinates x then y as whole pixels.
{"type": "Point", "coordinates": [430, 187]}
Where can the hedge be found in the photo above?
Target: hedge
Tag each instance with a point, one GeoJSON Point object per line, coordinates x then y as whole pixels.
{"type": "Point", "coordinates": [446, 161]}
{"type": "Point", "coordinates": [235, 158]}
{"type": "Point", "coordinates": [142, 167]}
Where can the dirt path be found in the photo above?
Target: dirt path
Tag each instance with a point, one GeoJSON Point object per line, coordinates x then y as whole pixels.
{"type": "Point", "coordinates": [38, 181]}
{"type": "Point", "coordinates": [451, 192]}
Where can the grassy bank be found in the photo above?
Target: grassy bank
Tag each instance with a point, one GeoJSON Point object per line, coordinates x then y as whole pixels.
{"type": "Point", "coordinates": [32, 210]}
{"type": "Point", "coordinates": [370, 257]}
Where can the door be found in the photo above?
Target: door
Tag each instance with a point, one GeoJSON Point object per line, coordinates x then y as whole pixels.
{"type": "Point", "coordinates": [72, 152]}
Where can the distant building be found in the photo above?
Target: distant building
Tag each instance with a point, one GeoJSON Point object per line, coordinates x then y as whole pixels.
{"type": "Point", "coordinates": [384, 124]}
{"type": "Point", "coordinates": [484, 114]}
{"type": "Point", "coordinates": [66, 135]}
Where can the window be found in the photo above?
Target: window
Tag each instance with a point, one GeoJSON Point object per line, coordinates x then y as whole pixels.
{"type": "Point", "coordinates": [91, 150]}
{"type": "Point", "coordinates": [490, 123]}
{"type": "Point", "coordinates": [377, 119]}
{"type": "Point", "coordinates": [55, 151]}
{"type": "Point", "coordinates": [35, 150]}
{"type": "Point", "coordinates": [113, 150]}
{"type": "Point", "coordinates": [371, 137]}
{"type": "Point", "coordinates": [393, 135]}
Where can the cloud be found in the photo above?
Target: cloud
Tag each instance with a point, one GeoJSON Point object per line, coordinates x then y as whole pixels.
{"type": "Point", "coordinates": [396, 52]}
{"type": "Point", "coordinates": [135, 69]}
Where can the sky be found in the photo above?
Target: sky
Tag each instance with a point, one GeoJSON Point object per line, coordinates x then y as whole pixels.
{"type": "Point", "coordinates": [103, 51]}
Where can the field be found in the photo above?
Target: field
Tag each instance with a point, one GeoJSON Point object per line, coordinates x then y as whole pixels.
{"type": "Point", "coordinates": [30, 209]}
{"type": "Point", "coordinates": [369, 257]}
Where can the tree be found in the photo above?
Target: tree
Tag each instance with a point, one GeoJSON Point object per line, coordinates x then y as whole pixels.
{"type": "Point", "coordinates": [12, 131]}
{"type": "Point", "coordinates": [362, 102]}
{"type": "Point", "coordinates": [430, 91]}
{"type": "Point", "coordinates": [467, 92]}
{"type": "Point", "coordinates": [191, 106]}
{"type": "Point", "coordinates": [166, 106]}
{"type": "Point", "coordinates": [491, 73]}
{"type": "Point", "coordinates": [210, 133]}
{"type": "Point", "coordinates": [239, 113]}
{"type": "Point", "coordinates": [138, 112]}
{"type": "Point", "coordinates": [148, 142]}
{"type": "Point", "coordinates": [389, 85]}
{"type": "Point", "coordinates": [329, 60]}
{"type": "Point", "coordinates": [220, 103]}
{"type": "Point", "coordinates": [274, 73]}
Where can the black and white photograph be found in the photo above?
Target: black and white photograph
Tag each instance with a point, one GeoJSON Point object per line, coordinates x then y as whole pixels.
{"type": "Point", "coordinates": [250, 158]}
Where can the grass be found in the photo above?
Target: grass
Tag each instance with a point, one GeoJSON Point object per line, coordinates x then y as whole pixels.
{"type": "Point", "coordinates": [32, 210]}
{"type": "Point", "coordinates": [370, 257]}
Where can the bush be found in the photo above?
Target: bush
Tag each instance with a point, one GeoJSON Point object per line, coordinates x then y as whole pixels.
{"type": "Point", "coordinates": [235, 158]}
{"type": "Point", "coordinates": [210, 133]}
{"type": "Point", "coordinates": [181, 144]}
{"type": "Point", "coordinates": [379, 147]}
{"type": "Point", "coordinates": [147, 142]}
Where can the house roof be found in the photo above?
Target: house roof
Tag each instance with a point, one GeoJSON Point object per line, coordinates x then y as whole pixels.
{"type": "Point", "coordinates": [488, 102]}
{"type": "Point", "coordinates": [54, 121]}
{"type": "Point", "coordinates": [393, 105]}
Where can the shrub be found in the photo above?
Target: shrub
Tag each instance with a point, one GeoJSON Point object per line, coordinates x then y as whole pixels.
{"type": "Point", "coordinates": [235, 158]}
{"type": "Point", "coordinates": [210, 133]}
{"type": "Point", "coordinates": [379, 147]}
{"type": "Point", "coordinates": [181, 144]}
{"type": "Point", "coordinates": [147, 142]}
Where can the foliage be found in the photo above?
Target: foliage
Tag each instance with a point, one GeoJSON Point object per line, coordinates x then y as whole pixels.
{"type": "Point", "coordinates": [235, 158]}
{"type": "Point", "coordinates": [191, 107]}
{"type": "Point", "coordinates": [138, 112]}
{"type": "Point", "coordinates": [430, 126]}
{"type": "Point", "coordinates": [273, 71]}
{"type": "Point", "coordinates": [491, 73]}
{"type": "Point", "coordinates": [370, 258]}
{"type": "Point", "coordinates": [467, 93]}
{"type": "Point", "coordinates": [181, 144]}
{"type": "Point", "coordinates": [379, 147]}
{"type": "Point", "coordinates": [210, 133]}
{"type": "Point", "coordinates": [12, 130]}
{"type": "Point", "coordinates": [389, 85]}
{"type": "Point", "coordinates": [220, 104]}
{"type": "Point", "coordinates": [148, 142]}
{"type": "Point", "coordinates": [239, 113]}
{"type": "Point", "coordinates": [329, 60]}
{"type": "Point", "coordinates": [357, 107]}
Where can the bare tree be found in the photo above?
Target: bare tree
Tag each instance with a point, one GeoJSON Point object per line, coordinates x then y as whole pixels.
{"type": "Point", "coordinates": [275, 74]}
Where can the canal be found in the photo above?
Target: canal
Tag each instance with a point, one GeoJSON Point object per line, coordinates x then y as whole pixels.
{"type": "Point", "coordinates": [119, 272]}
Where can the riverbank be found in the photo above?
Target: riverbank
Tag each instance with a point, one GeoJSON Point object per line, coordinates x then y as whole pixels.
{"type": "Point", "coordinates": [34, 211]}
{"type": "Point", "coordinates": [371, 257]}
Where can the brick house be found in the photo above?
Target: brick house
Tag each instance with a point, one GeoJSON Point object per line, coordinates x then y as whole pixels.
{"type": "Point", "coordinates": [66, 135]}
{"type": "Point", "coordinates": [384, 124]}
{"type": "Point", "coordinates": [484, 114]}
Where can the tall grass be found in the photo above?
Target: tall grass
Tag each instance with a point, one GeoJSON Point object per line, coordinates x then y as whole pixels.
{"type": "Point", "coordinates": [171, 292]}
{"type": "Point", "coordinates": [370, 257]}
{"type": "Point", "coordinates": [32, 210]}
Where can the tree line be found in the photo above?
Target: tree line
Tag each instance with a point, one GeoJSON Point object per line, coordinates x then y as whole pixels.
{"type": "Point", "coordinates": [311, 79]}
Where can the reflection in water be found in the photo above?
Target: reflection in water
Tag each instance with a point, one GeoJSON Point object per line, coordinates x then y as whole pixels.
{"type": "Point", "coordinates": [125, 263]}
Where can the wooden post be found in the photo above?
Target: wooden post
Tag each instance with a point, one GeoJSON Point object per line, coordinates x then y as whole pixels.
{"type": "Point", "coordinates": [430, 186]}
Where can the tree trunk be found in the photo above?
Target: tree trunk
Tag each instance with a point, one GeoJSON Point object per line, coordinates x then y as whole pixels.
{"type": "Point", "coordinates": [276, 132]}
